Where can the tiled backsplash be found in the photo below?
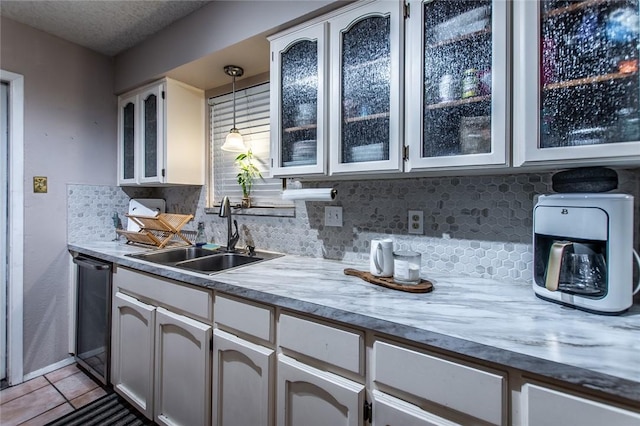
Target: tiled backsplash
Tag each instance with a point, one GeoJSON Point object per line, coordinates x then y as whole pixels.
{"type": "Point", "coordinates": [475, 225]}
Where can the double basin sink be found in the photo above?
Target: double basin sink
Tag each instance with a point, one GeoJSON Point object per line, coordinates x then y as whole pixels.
{"type": "Point", "coordinates": [202, 260]}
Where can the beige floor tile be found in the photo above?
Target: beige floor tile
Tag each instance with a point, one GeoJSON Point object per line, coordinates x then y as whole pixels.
{"type": "Point", "coordinates": [14, 392]}
{"type": "Point", "coordinates": [63, 372]}
{"type": "Point", "coordinates": [30, 405]}
{"type": "Point", "coordinates": [74, 386]}
{"type": "Point", "coordinates": [88, 397]}
{"type": "Point", "coordinates": [50, 415]}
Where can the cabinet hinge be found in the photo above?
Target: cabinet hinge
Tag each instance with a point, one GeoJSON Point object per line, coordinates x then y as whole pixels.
{"type": "Point", "coordinates": [163, 172]}
{"type": "Point", "coordinates": [272, 57]}
{"type": "Point", "coordinates": [405, 153]}
{"type": "Point", "coordinates": [407, 10]}
{"type": "Point", "coordinates": [368, 412]}
{"type": "Point", "coordinates": [163, 94]}
{"type": "Point", "coordinates": [211, 344]}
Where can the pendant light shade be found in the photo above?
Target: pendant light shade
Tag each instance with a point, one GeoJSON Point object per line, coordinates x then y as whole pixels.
{"type": "Point", "coordinates": [234, 141]}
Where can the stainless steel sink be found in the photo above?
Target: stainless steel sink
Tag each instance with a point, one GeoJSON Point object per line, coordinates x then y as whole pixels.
{"type": "Point", "coordinates": [202, 260]}
{"type": "Point", "coordinates": [174, 255]}
{"type": "Point", "coordinates": [224, 261]}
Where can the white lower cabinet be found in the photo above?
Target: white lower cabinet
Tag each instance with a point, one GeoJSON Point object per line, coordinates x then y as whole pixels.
{"type": "Point", "coordinates": [311, 397]}
{"type": "Point", "coordinates": [243, 374]}
{"type": "Point", "coordinates": [182, 370]}
{"type": "Point", "coordinates": [160, 358]}
{"type": "Point", "coordinates": [390, 411]}
{"type": "Point", "coordinates": [243, 363]}
{"type": "Point", "coordinates": [132, 337]}
{"type": "Point", "coordinates": [544, 406]}
{"type": "Point", "coordinates": [459, 393]}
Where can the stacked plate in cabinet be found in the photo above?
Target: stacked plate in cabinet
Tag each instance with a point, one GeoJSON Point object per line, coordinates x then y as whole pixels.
{"type": "Point", "coordinates": [370, 152]}
{"type": "Point", "coordinates": [303, 153]}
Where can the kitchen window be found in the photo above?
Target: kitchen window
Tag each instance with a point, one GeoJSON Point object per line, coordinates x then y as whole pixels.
{"type": "Point", "coordinates": [252, 120]}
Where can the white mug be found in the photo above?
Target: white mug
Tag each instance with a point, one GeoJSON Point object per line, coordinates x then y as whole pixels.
{"type": "Point", "coordinates": [381, 257]}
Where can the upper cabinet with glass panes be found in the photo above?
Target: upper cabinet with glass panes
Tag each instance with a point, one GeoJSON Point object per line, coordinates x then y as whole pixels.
{"type": "Point", "coordinates": [456, 84]}
{"type": "Point", "coordinates": [298, 102]}
{"type": "Point", "coordinates": [336, 93]}
{"type": "Point", "coordinates": [161, 135]}
{"type": "Point", "coordinates": [576, 82]}
{"type": "Point", "coordinates": [366, 89]}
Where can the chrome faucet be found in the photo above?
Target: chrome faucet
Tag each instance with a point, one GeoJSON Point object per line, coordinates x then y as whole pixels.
{"type": "Point", "coordinates": [225, 211]}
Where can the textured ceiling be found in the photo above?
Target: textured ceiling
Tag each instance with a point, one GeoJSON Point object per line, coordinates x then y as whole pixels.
{"type": "Point", "coordinates": [108, 27]}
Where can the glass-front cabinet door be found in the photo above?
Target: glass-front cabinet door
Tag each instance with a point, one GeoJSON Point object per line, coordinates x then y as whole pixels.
{"type": "Point", "coordinates": [456, 87]}
{"type": "Point", "coordinates": [151, 161]}
{"type": "Point", "coordinates": [576, 82]}
{"type": "Point", "coordinates": [127, 127]}
{"type": "Point", "coordinates": [298, 105]}
{"type": "Point", "coordinates": [366, 95]}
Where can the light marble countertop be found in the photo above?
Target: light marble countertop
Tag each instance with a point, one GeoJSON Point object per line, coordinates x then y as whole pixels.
{"type": "Point", "coordinates": [491, 321]}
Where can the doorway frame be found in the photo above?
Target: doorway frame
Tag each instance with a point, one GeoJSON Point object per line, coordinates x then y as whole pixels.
{"type": "Point", "coordinates": [15, 237]}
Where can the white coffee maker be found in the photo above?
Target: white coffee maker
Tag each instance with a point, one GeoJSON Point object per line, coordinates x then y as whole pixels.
{"type": "Point", "coordinates": [583, 251]}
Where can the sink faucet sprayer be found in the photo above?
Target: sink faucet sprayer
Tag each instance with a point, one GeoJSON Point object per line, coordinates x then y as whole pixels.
{"type": "Point", "coordinates": [225, 211]}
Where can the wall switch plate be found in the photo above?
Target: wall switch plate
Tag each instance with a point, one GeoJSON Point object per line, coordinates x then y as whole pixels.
{"type": "Point", "coordinates": [416, 222]}
{"type": "Point", "coordinates": [332, 216]}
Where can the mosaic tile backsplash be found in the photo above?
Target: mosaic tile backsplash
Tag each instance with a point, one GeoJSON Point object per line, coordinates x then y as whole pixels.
{"type": "Point", "coordinates": [477, 226]}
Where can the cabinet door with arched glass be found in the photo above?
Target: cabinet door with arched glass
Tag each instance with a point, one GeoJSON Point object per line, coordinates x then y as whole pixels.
{"type": "Point", "coordinates": [298, 77]}
{"type": "Point", "coordinates": [151, 161]}
{"type": "Point", "coordinates": [576, 82]}
{"type": "Point", "coordinates": [366, 98]}
{"type": "Point", "coordinates": [127, 128]}
{"type": "Point", "coordinates": [457, 102]}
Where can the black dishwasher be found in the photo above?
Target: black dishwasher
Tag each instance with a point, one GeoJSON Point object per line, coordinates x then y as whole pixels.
{"type": "Point", "coordinates": [93, 316]}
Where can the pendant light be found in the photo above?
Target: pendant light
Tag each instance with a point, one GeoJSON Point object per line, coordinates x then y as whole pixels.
{"type": "Point", "coordinates": [234, 142]}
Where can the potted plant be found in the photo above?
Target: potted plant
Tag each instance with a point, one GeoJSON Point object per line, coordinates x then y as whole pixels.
{"type": "Point", "coordinates": [246, 176]}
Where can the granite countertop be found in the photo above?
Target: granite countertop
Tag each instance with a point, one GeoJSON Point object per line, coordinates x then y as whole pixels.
{"type": "Point", "coordinates": [492, 321]}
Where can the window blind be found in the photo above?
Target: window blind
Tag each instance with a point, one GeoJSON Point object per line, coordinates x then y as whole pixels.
{"type": "Point", "coordinates": [252, 120]}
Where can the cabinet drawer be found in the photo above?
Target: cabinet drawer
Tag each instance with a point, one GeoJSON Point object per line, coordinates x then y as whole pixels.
{"type": "Point", "coordinates": [246, 317]}
{"type": "Point", "coordinates": [340, 347]}
{"type": "Point", "coordinates": [547, 406]}
{"type": "Point", "coordinates": [178, 297]}
{"type": "Point", "coordinates": [465, 389]}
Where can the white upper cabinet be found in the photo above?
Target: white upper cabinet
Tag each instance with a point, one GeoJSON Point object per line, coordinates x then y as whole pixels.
{"type": "Point", "coordinates": [161, 135]}
{"type": "Point", "coordinates": [298, 102]}
{"type": "Point", "coordinates": [336, 87]}
{"type": "Point", "coordinates": [576, 83]}
{"type": "Point", "coordinates": [457, 84]}
{"type": "Point", "coordinates": [366, 46]}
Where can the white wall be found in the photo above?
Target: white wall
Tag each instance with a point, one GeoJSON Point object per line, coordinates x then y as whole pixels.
{"type": "Point", "coordinates": [70, 137]}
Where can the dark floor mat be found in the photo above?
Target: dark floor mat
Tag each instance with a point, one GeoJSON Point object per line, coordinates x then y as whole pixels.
{"type": "Point", "coordinates": [110, 410]}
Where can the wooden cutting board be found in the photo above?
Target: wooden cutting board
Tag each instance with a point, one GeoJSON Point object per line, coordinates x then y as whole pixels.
{"type": "Point", "coordinates": [424, 286]}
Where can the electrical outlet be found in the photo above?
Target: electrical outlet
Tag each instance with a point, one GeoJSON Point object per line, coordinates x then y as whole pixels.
{"type": "Point", "coordinates": [416, 222]}
{"type": "Point", "coordinates": [332, 216]}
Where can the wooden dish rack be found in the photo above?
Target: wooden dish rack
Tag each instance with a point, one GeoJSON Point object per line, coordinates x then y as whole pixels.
{"type": "Point", "coordinates": [159, 231]}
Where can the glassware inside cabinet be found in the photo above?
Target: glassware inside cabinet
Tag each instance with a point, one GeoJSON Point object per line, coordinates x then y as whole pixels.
{"type": "Point", "coordinates": [588, 72]}
{"type": "Point", "coordinates": [457, 78]}
{"type": "Point", "coordinates": [299, 103]}
{"type": "Point", "coordinates": [366, 88]}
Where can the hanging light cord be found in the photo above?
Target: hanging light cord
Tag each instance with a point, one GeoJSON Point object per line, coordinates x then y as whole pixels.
{"type": "Point", "coordinates": [233, 90]}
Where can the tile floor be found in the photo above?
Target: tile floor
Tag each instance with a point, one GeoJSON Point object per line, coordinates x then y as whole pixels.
{"type": "Point", "coordinates": [46, 398]}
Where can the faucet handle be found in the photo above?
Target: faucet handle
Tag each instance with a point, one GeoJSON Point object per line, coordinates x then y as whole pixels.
{"type": "Point", "coordinates": [251, 250]}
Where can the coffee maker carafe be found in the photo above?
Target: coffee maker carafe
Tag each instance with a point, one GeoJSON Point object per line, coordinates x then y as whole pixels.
{"type": "Point", "coordinates": [583, 251]}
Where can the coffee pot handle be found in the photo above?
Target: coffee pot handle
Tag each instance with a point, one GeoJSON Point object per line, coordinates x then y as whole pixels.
{"type": "Point", "coordinates": [635, 255]}
{"type": "Point", "coordinates": [552, 279]}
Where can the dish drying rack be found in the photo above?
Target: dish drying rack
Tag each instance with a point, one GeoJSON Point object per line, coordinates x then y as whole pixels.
{"type": "Point", "coordinates": [160, 230]}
